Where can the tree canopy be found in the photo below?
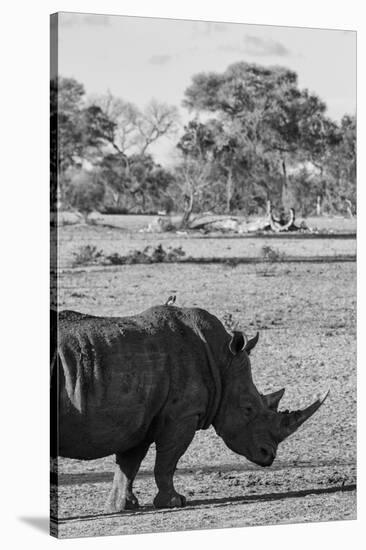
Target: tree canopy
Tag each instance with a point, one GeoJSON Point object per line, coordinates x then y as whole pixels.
{"type": "Point", "coordinates": [254, 136]}
{"type": "Point", "coordinates": [265, 126]}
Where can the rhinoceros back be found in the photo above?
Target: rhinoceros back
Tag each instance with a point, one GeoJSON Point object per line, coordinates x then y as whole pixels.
{"type": "Point", "coordinates": [116, 375]}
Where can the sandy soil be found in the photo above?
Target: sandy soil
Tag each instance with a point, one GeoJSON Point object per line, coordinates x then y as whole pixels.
{"type": "Point", "coordinates": [306, 317]}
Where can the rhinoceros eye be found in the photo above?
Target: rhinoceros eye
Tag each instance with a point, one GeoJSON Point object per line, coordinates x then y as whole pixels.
{"type": "Point", "coordinates": [247, 410]}
{"type": "Point", "coordinates": [246, 406]}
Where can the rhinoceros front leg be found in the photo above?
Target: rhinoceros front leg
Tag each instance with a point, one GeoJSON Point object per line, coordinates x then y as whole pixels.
{"type": "Point", "coordinates": [121, 496]}
{"type": "Point", "coordinates": [170, 446]}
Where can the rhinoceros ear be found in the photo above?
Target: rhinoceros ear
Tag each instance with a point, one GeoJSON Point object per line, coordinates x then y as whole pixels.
{"type": "Point", "coordinates": [251, 343]}
{"type": "Point", "coordinates": [237, 342]}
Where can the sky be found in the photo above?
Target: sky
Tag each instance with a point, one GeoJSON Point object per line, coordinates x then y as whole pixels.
{"type": "Point", "coordinates": [138, 58]}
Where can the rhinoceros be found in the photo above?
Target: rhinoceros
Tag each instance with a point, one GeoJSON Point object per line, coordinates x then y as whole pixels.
{"type": "Point", "coordinates": [122, 383]}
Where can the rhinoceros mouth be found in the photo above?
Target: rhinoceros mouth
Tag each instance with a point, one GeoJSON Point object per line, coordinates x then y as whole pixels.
{"type": "Point", "coordinates": [263, 464]}
{"type": "Point", "coordinates": [264, 456]}
{"type": "Point", "coordinates": [266, 460]}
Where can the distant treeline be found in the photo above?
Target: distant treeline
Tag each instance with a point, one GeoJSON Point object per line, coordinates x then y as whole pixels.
{"type": "Point", "coordinates": [254, 136]}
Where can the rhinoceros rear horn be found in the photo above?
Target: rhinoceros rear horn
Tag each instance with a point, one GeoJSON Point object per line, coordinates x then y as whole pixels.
{"type": "Point", "coordinates": [291, 421]}
{"type": "Point", "coordinates": [272, 400]}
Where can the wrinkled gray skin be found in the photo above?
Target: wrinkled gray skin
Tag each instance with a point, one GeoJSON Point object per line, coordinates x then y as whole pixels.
{"type": "Point", "coordinates": [124, 383]}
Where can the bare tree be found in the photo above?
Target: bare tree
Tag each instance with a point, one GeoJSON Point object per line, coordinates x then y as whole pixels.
{"type": "Point", "coordinates": [136, 130]}
{"type": "Point", "coordinates": [125, 137]}
{"type": "Point", "coordinates": [157, 120]}
{"type": "Point", "coordinates": [192, 176]}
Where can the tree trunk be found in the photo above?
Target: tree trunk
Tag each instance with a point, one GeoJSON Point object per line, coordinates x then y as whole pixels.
{"type": "Point", "coordinates": [143, 201]}
{"type": "Point", "coordinates": [318, 206]}
{"type": "Point", "coordinates": [284, 187]}
{"type": "Point", "coordinates": [115, 197]}
{"type": "Point", "coordinates": [229, 190]}
{"type": "Point", "coordinates": [188, 207]}
{"type": "Point", "coordinates": [268, 209]}
{"type": "Point", "coordinates": [85, 217]}
{"type": "Point", "coordinates": [349, 207]}
{"type": "Point", "coordinates": [126, 163]}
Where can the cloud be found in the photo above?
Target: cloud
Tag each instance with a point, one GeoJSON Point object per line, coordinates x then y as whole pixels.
{"type": "Point", "coordinates": [264, 47]}
{"type": "Point", "coordinates": [159, 59]}
{"type": "Point", "coordinates": [253, 45]}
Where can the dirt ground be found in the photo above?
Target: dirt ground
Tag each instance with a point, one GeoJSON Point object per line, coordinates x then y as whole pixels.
{"type": "Point", "coordinates": [121, 235]}
{"type": "Point", "coordinates": [306, 316]}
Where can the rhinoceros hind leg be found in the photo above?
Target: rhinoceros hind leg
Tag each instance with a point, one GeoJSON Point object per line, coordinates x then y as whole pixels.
{"type": "Point", "coordinates": [171, 444]}
{"type": "Point", "coordinates": [121, 496]}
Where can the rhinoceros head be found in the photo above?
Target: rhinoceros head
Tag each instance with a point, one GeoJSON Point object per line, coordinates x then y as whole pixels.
{"type": "Point", "coordinates": [249, 422]}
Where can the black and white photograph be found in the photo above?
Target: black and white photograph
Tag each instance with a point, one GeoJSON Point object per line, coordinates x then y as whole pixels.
{"type": "Point", "coordinates": [203, 310]}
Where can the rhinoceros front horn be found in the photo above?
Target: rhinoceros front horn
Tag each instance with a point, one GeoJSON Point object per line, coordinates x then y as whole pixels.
{"type": "Point", "coordinates": [291, 421]}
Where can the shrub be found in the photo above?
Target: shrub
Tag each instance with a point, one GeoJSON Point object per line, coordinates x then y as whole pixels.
{"type": "Point", "coordinates": [271, 254]}
{"type": "Point", "coordinates": [90, 255]}
{"type": "Point", "coordinates": [87, 255]}
{"type": "Point", "coordinates": [150, 255]}
{"type": "Point", "coordinates": [85, 192]}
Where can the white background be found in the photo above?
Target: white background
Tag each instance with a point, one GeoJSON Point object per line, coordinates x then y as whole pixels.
{"type": "Point", "coordinates": [24, 266]}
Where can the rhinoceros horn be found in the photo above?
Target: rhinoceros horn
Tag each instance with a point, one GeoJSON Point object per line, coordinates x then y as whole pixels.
{"type": "Point", "coordinates": [272, 400]}
{"type": "Point", "coordinates": [291, 421]}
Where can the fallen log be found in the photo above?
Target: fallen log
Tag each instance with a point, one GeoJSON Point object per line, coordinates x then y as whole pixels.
{"type": "Point", "coordinates": [228, 223]}
{"type": "Point", "coordinates": [210, 222]}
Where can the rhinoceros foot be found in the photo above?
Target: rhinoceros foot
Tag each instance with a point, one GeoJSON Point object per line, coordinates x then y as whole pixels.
{"type": "Point", "coordinates": [130, 502]}
{"type": "Point", "coordinates": [169, 500]}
